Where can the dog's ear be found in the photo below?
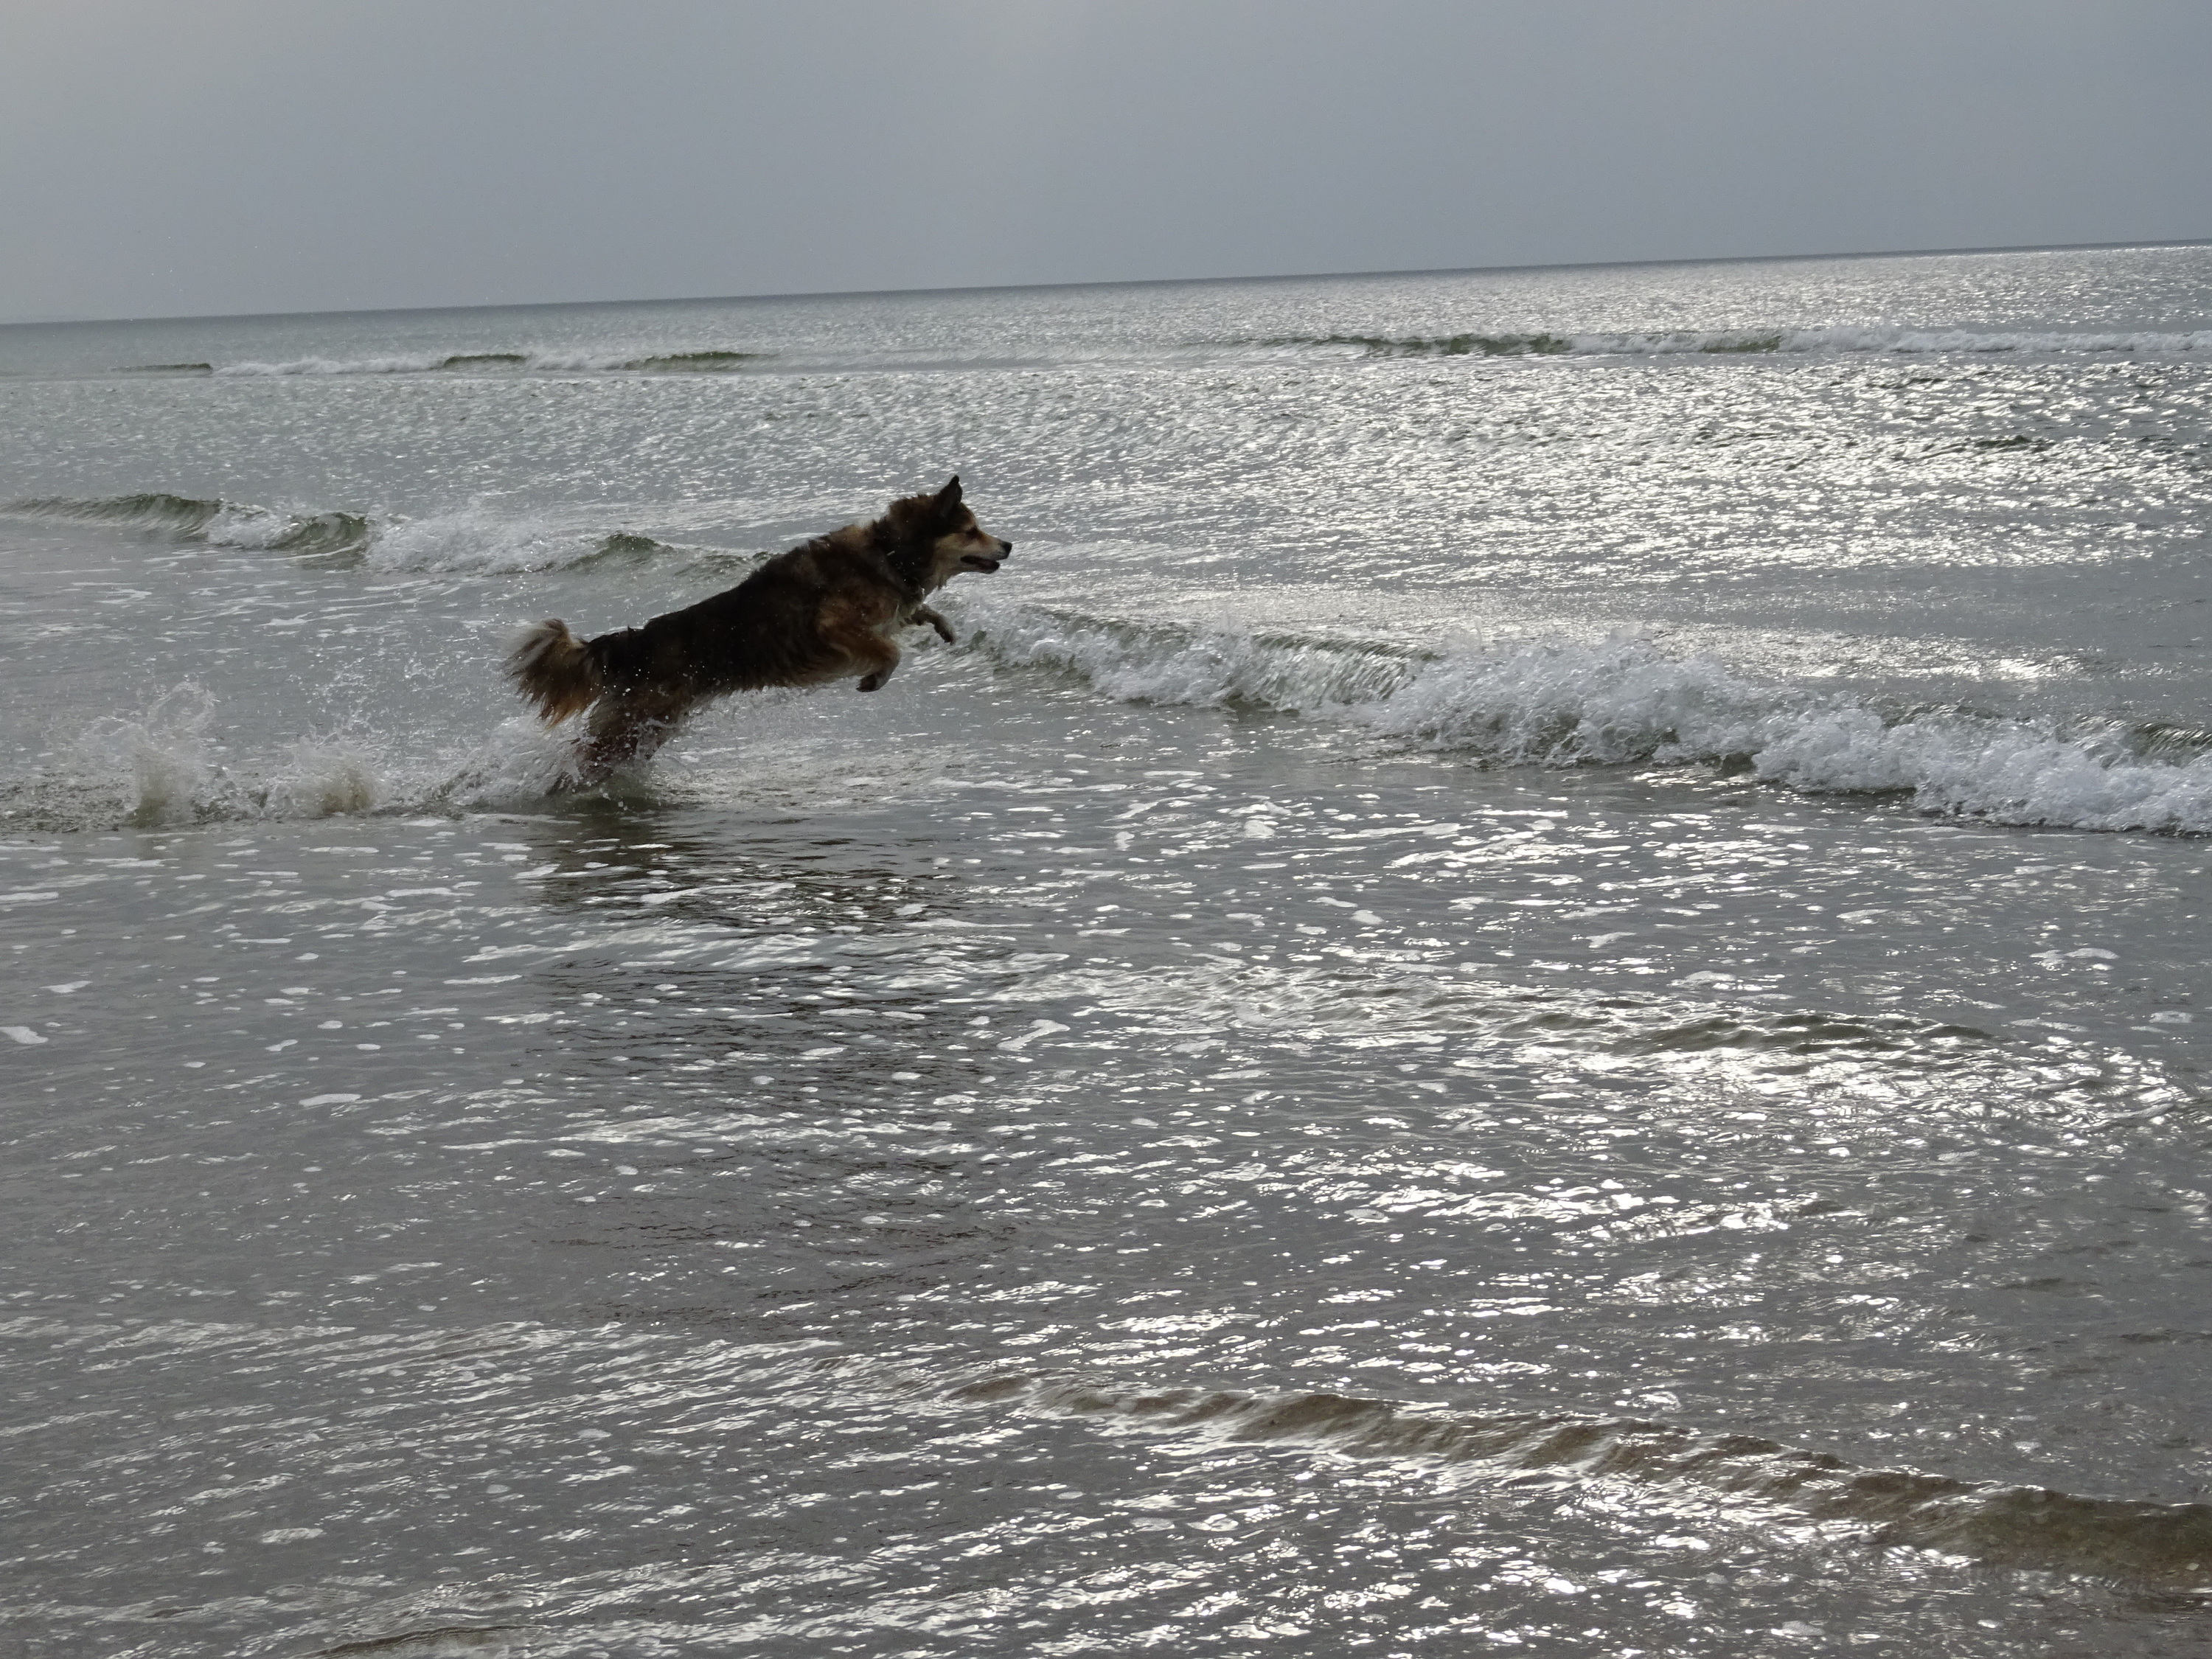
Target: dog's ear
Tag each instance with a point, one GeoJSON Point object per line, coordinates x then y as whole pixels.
{"type": "Point", "coordinates": [949, 497]}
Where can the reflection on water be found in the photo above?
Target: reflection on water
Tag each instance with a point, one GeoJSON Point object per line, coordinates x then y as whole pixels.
{"type": "Point", "coordinates": [1645, 1255]}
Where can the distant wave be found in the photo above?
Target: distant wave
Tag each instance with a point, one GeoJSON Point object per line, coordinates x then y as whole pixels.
{"type": "Point", "coordinates": [708, 361]}
{"type": "Point", "coordinates": [1763, 341]}
{"type": "Point", "coordinates": [1834, 340]}
{"type": "Point", "coordinates": [2032, 1528]}
{"type": "Point", "coordinates": [467, 540]}
{"type": "Point", "coordinates": [1622, 703]}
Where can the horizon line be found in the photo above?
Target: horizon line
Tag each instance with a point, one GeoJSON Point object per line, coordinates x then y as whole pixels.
{"type": "Point", "coordinates": [1123, 282]}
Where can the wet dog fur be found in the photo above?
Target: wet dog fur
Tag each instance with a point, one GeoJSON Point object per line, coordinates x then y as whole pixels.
{"type": "Point", "coordinates": [826, 611]}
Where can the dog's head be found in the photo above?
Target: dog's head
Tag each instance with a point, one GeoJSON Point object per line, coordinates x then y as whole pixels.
{"type": "Point", "coordinates": [940, 536]}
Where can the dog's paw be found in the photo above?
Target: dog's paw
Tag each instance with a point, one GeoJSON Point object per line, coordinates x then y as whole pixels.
{"type": "Point", "coordinates": [944, 630]}
{"type": "Point", "coordinates": [873, 682]}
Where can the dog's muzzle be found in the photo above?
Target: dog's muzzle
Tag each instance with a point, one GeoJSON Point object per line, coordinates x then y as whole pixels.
{"type": "Point", "coordinates": [981, 561]}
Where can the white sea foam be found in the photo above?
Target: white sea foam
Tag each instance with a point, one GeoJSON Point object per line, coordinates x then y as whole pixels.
{"type": "Point", "coordinates": [1624, 702]}
{"type": "Point", "coordinates": [1613, 702]}
{"type": "Point", "coordinates": [261, 529]}
{"type": "Point", "coordinates": [247, 526]}
{"type": "Point", "coordinates": [477, 540]}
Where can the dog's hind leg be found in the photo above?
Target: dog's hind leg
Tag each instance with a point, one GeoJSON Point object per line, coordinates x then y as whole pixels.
{"type": "Point", "coordinates": [625, 730]}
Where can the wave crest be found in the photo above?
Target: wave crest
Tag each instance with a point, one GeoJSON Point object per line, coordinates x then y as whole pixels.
{"type": "Point", "coordinates": [2018, 1527]}
{"type": "Point", "coordinates": [1622, 703]}
{"type": "Point", "coordinates": [470, 539]}
{"type": "Point", "coordinates": [706, 360]}
{"type": "Point", "coordinates": [183, 515]}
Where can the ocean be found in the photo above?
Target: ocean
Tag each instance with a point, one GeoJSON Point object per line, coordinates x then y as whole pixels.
{"type": "Point", "coordinates": [1529, 985]}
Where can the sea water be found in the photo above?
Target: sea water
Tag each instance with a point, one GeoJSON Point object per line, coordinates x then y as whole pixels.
{"type": "Point", "coordinates": [1534, 982]}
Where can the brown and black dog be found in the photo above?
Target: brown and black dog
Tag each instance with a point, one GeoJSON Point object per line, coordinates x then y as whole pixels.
{"type": "Point", "coordinates": [822, 611]}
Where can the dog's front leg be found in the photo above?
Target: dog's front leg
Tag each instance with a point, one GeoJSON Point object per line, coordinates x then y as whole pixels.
{"type": "Point", "coordinates": [854, 629]}
{"type": "Point", "coordinates": [878, 655]}
{"type": "Point", "coordinates": [923, 613]}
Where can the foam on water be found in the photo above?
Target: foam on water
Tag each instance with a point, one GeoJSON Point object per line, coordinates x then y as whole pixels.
{"type": "Point", "coordinates": [479, 540]}
{"type": "Point", "coordinates": [262, 529]}
{"type": "Point", "coordinates": [1624, 702]}
{"type": "Point", "coordinates": [1613, 702]}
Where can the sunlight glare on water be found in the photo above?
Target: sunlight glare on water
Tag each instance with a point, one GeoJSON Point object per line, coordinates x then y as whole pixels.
{"type": "Point", "coordinates": [1531, 982]}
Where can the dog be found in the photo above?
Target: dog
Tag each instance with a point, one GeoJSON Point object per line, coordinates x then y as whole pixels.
{"type": "Point", "coordinates": [825, 610]}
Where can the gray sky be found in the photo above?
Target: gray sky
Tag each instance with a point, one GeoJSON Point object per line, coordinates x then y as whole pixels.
{"type": "Point", "coordinates": [182, 157]}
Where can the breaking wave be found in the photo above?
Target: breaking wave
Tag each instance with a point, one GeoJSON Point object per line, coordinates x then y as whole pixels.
{"type": "Point", "coordinates": [2029, 1527]}
{"type": "Point", "coordinates": [218, 524]}
{"type": "Point", "coordinates": [708, 361]}
{"type": "Point", "coordinates": [185, 515]}
{"type": "Point", "coordinates": [470, 539]}
{"type": "Point", "coordinates": [1622, 703]}
{"type": "Point", "coordinates": [1762, 341]}
{"type": "Point", "coordinates": [475, 539]}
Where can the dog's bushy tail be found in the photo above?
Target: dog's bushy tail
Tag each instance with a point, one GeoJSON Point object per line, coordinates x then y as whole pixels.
{"type": "Point", "coordinates": [555, 669]}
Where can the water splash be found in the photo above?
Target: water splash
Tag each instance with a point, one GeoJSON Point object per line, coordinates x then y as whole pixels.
{"type": "Point", "coordinates": [162, 755]}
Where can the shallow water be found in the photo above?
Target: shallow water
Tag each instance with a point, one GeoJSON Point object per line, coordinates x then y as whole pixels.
{"type": "Point", "coordinates": [1531, 982]}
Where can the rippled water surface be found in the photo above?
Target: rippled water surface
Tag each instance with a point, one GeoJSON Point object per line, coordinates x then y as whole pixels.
{"type": "Point", "coordinates": [1532, 983]}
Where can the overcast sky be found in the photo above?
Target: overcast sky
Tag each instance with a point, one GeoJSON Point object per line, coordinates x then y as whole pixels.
{"type": "Point", "coordinates": [187, 157]}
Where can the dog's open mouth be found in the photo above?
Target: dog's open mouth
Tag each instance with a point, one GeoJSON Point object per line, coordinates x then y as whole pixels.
{"type": "Point", "coordinates": [978, 561]}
